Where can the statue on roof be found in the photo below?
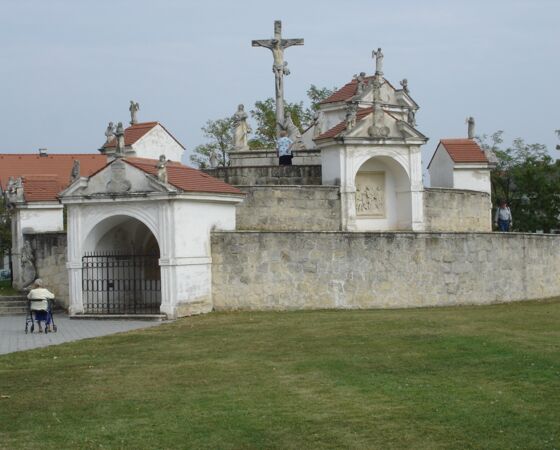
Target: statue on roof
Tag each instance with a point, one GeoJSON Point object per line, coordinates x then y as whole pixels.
{"type": "Point", "coordinates": [351, 115]}
{"type": "Point", "coordinates": [378, 55]}
{"type": "Point", "coordinates": [110, 131]}
{"type": "Point", "coordinates": [75, 174]}
{"type": "Point", "coordinates": [361, 80]}
{"type": "Point", "coordinates": [377, 83]}
{"type": "Point", "coordinates": [317, 124]}
{"type": "Point", "coordinates": [404, 84]}
{"type": "Point", "coordinates": [134, 107]}
{"type": "Point", "coordinates": [162, 169]}
{"type": "Point", "coordinates": [119, 134]}
{"type": "Point", "coordinates": [411, 117]}
{"type": "Point", "coordinates": [470, 127]}
{"type": "Point", "coordinates": [241, 129]}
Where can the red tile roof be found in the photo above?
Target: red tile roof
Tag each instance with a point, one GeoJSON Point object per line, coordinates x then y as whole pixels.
{"type": "Point", "coordinates": [55, 167]}
{"type": "Point", "coordinates": [185, 178]}
{"type": "Point", "coordinates": [348, 91]}
{"type": "Point", "coordinates": [41, 188]}
{"type": "Point", "coordinates": [337, 129]}
{"type": "Point", "coordinates": [134, 132]}
{"type": "Point", "coordinates": [464, 151]}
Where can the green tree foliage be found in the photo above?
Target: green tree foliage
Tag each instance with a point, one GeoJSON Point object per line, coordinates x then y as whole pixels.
{"type": "Point", "coordinates": [265, 117]}
{"type": "Point", "coordinates": [220, 135]}
{"type": "Point", "coordinates": [528, 179]}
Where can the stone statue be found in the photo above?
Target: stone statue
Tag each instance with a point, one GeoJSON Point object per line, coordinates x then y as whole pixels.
{"type": "Point", "coordinates": [28, 270]}
{"type": "Point", "coordinates": [240, 129]}
{"type": "Point", "coordinates": [75, 174]}
{"type": "Point", "coordinates": [404, 84]}
{"type": "Point", "coordinates": [378, 55]}
{"type": "Point", "coordinates": [110, 131]}
{"type": "Point", "coordinates": [351, 115]}
{"type": "Point", "coordinates": [277, 45]}
{"type": "Point", "coordinates": [119, 134]}
{"type": "Point", "coordinates": [293, 133]}
{"type": "Point", "coordinates": [361, 79]}
{"type": "Point", "coordinates": [213, 160]}
{"type": "Point", "coordinates": [411, 117]}
{"type": "Point", "coordinates": [134, 108]}
{"type": "Point", "coordinates": [162, 169]}
{"type": "Point", "coordinates": [470, 128]}
{"type": "Point", "coordinates": [317, 124]}
{"type": "Point", "coordinates": [14, 190]}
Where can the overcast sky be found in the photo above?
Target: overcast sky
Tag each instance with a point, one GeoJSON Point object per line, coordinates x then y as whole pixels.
{"type": "Point", "coordinates": [69, 67]}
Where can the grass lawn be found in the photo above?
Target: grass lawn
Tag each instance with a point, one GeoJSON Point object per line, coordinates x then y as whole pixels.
{"type": "Point", "coordinates": [470, 377]}
{"type": "Point", "coordinates": [6, 288]}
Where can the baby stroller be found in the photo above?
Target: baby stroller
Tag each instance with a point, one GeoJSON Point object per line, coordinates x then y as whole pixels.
{"type": "Point", "coordinates": [43, 313]}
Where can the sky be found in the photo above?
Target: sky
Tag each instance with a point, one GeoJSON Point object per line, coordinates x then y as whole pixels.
{"type": "Point", "coordinates": [68, 67]}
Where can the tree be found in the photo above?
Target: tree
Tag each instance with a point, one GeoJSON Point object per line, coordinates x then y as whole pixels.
{"type": "Point", "coordinates": [528, 179]}
{"type": "Point", "coordinates": [221, 142]}
{"type": "Point", "coordinates": [302, 116]}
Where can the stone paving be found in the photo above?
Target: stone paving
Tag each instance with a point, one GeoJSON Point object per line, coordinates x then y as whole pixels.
{"type": "Point", "coordinates": [14, 339]}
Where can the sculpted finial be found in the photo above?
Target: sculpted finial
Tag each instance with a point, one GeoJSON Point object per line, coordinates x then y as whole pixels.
{"type": "Point", "coordinates": [119, 134]}
{"type": "Point", "coordinates": [351, 115]}
{"type": "Point", "coordinates": [75, 174]}
{"type": "Point", "coordinates": [404, 84]}
{"type": "Point", "coordinates": [470, 127]}
{"type": "Point", "coordinates": [162, 169]}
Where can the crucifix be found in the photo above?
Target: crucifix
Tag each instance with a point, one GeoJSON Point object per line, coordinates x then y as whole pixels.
{"type": "Point", "coordinates": [280, 67]}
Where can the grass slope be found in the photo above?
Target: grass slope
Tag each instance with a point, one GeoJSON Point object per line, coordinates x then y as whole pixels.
{"type": "Point", "coordinates": [471, 377]}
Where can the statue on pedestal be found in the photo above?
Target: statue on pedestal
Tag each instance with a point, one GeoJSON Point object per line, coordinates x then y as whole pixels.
{"type": "Point", "coordinates": [162, 169]}
{"type": "Point", "coordinates": [134, 107]}
{"type": "Point", "coordinates": [378, 55]}
{"type": "Point", "coordinates": [240, 129]}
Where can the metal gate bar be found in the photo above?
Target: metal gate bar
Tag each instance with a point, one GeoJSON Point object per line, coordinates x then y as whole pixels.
{"type": "Point", "coordinates": [114, 283]}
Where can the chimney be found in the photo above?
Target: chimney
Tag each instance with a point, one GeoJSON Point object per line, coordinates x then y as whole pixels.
{"type": "Point", "coordinates": [43, 152]}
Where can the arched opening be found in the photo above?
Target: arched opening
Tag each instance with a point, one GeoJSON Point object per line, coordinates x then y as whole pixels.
{"type": "Point", "coordinates": [383, 198]}
{"type": "Point", "coordinates": [120, 268]}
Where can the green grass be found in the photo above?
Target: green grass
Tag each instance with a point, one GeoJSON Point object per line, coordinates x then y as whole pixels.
{"type": "Point", "coordinates": [471, 377]}
{"type": "Point", "coordinates": [6, 288]}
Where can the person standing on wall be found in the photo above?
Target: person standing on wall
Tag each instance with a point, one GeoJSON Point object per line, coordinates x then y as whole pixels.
{"type": "Point", "coordinates": [503, 219]}
{"type": "Point", "coordinates": [284, 149]}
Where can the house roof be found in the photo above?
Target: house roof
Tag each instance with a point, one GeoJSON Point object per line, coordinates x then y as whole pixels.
{"type": "Point", "coordinates": [464, 150]}
{"type": "Point", "coordinates": [184, 177]}
{"type": "Point", "coordinates": [348, 91]}
{"type": "Point", "coordinates": [339, 128]}
{"type": "Point", "coordinates": [42, 173]}
{"type": "Point", "coordinates": [135, 132]}
{"type": "Point", "coordinates": [41, 188]}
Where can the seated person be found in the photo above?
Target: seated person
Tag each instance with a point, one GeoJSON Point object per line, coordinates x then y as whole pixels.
{"type": "Point", "coordinates": [40, 305]}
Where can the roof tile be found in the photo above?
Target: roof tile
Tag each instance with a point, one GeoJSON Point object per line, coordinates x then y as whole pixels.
{"type": "Point", "coordinates": [464, 151]}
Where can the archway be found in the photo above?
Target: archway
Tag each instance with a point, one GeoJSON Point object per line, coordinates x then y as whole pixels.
{"type": "Point", "coordinates": [383, 196]}
{"type": "Point", "coordinates": [120, 268]}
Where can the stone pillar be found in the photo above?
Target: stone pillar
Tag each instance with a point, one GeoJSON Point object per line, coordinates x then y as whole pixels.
{"type": "Point", "coordinates": [74, 258]}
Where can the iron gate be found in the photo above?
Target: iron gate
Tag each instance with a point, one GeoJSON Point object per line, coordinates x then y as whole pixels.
{"type": "Point", "coordinates": [114, 283]}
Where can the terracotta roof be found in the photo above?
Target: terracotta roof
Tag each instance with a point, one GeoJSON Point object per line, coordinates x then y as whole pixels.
{"type": "Point", "coordinates": [134, 132]}
{"type": "Point", "coordinates": [185, 178]}
{"type": "Point", "coordinates": [337, 129]}
{"type": "Point", "coordinates": [348, 91]}
{"type": "Point", "coordinates": [55, 167]}
{"type": "Point", "coordinates": [464, 151]}
{"type": "Point", "coordinates": [41, 188]}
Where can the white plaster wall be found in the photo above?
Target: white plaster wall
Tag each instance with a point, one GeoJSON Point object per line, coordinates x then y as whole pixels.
{"type": "Point", "coordinates": [441, 169]}
{"type": "Point", "coordinates": [41, 220]}
{"type": "Point", "coordinates": [472, 179]}
{"type": "Point", "coordinates": [331, 160]}
{"type": "Point", "coordinates": [138, 179]}
{"type": "Point", "coordinates": [158, 142]}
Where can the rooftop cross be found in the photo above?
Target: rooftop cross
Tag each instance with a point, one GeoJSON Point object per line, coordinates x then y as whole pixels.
{"type": "Point", "coordinates": [280, 67]}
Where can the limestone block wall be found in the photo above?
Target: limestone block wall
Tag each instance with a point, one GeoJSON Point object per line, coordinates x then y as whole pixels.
{"type": "Point", "coordinates": [284, 208]}
{"type": "Point", "coordinates": [457, 210]}
{"type": "Point", "coordinates": [268, 175]}
{"type": "Point", "coordinates": [49, 250]}
{"type": "Point", "coordinates": [305, 270]}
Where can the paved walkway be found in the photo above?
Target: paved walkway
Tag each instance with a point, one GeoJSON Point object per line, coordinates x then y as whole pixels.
{"type": "Point", "coordinates": [14, 339]}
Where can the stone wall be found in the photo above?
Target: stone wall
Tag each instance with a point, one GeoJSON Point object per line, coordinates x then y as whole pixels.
{"type": "Point", "coordinates": [49, 250]}
{"type": "Point", "coordinates": [284, 208]}
{"type": "Point", "coordinates": [268, 175]}
{"type": "Point", "coordinates": [307, 270]}
{"type": "Point", "coordinates": [457, 210]}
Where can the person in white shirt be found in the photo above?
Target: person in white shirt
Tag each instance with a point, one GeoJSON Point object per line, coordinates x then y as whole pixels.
{"type": "Point", "coordinates": [40, 297]}
{"type": "Point", "coordinates": [503, 219]}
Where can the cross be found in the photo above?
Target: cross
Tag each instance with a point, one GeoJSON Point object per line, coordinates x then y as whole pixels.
{"type": "Point", "coordinates": [280, 68]}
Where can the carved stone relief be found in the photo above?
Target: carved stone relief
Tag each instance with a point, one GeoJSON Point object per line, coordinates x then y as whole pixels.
{"type": "Point", "coordinates": [370, 194]}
